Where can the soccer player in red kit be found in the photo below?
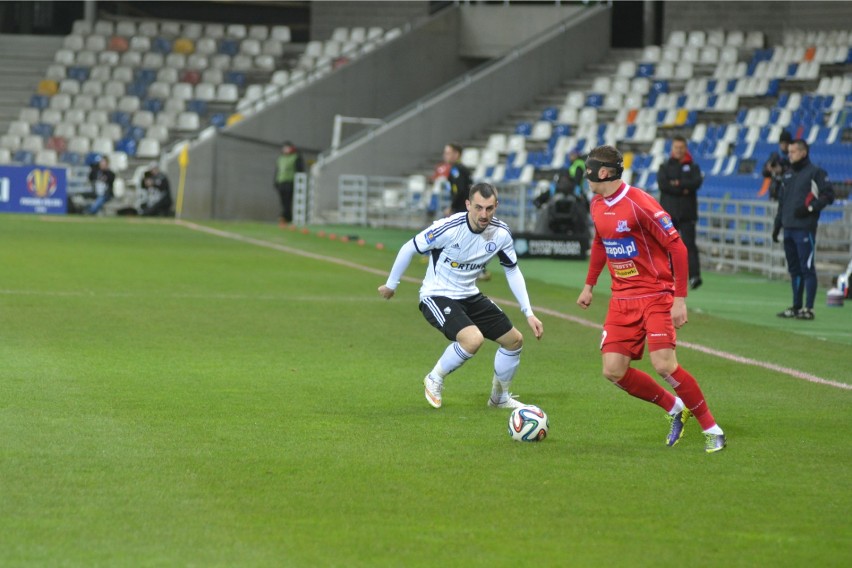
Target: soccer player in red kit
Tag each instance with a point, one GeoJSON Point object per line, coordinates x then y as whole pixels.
{"type": "Point", "coordinates": [648, 264]}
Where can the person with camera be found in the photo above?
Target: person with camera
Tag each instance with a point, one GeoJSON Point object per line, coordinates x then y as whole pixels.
{"type": "Point", "coordinates": [102, 179]}
{"type": "Point", "coordinates": [805, 192]}
{"type": "Point", "coordinates": [777, 165]}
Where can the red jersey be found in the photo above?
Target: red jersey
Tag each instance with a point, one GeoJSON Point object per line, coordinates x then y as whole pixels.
{"type": "Point", "coordinates": [636, 238]}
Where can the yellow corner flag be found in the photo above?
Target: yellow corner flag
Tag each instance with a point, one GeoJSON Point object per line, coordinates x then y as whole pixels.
{"type": "Point", "coordinates": [183, 162]}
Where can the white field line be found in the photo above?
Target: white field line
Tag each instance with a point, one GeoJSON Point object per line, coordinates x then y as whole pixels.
{"type": "Point", "coordinates": [795, 373]}
{"type": "Point", "coordinates": [180, 296]}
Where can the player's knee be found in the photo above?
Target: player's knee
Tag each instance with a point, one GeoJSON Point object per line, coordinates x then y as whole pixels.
{"type": "Point", "coordinates": [613, 372]}
{"type": "Point", "coordinates": [664, 369]}
{"type": "Point", "coordinates": [515, 341]}
{"type": "Point", "coordinates": [470, 339]}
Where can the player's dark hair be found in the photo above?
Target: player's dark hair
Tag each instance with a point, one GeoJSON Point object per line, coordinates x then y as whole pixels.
{"type": "Point", "coordinates": [802, 144]}
{"type": "Point", "coordinates": [678, 138]}
{"type": "Point", "coordinates": [609, 155]}
{"type": "Point", "coordinates": [455, 146]}
{"type": "Point", "coordinates": [486, 190]}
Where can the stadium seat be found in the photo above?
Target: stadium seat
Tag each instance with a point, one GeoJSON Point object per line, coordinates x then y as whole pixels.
{"type": "Point", "coordinates": [97, 117]}
{"type": "Point", "coordinates": [79, 145]}
{"type": "Point", "coordinates": [205, 92]}
{"type": "Point", "coordinates": [188, 121]}
{"type": "Point", "coordinates": [102, 146]}
{"type": "Point", "coordinates": [24, 157]}
{"type": "Point", "coordinates": [272, 47]}
{"type": "Point", "coordinates": [110, 58]}
{"type": "Point", "coordinates": [183, 46]}
{"type": "Point", "coordinates": [193, 31]}
{"type": "Point", "coordinates": [190, 76]}
{"type": "Point", "coordinates": [29, 115]}
{"type": "Point", "coordinates": [227, 92]}
{"type": "Point", "coordinates": [182, 91]}
{"type": "Point", "coordinates": [129, 104]}
{"type": "Point", "coordinates": [237, 31]}
{"type": "Point", "coordinates": [110, 131]}
{"type": "Point", "coordinates": [170, 29]}
{"type": "Point", "coordinates": [19, 128]}
{"type": "Point", "coordinates": [51, 116]}
{"type": "Point", "coordinates": [281, 33]}
{"type": "Point", "coordinates": [148, 148]}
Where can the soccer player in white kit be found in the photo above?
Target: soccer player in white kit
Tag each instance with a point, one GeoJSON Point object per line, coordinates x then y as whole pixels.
{"type": "Point", "coordinates": [460, 245]}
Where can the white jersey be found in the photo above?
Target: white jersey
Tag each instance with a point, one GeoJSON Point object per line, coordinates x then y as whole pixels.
{"type": "Point", "coordinates": [458, 255]}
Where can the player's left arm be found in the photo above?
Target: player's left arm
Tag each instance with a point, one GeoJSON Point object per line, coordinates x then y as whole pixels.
{"type": "Point", "coordinates": [518, 286]}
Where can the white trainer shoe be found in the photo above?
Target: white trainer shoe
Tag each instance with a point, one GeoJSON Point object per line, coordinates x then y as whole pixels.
{"type": "Point", "coordinates": [511, 402]}
{"type": "Point", "coordinates": [433, 390]}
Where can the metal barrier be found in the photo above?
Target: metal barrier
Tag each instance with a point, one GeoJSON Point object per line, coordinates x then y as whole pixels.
{"type": "Point", "coordinates": [736, 235]}
{"type": "Point", "coordinates": [383, 201]}
{"type": "Point", "coordinates": [301, 198]}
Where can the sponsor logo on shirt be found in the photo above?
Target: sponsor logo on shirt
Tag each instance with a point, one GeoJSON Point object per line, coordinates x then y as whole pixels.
{"type": "Point", "coordinates": [430, 237]}
{"type": "Point", "coordinates": [463, 266]}
{"type": "Point", "coordinates": [490, 246]}
{"type": "Point", "coordinates": [622, 227]}
{"type": "Point", "coordinates": [665, 222]}
{"type": "Point", "coordinates": [625, 269]}
{"type": "Point", "coordinates": [620, 248]}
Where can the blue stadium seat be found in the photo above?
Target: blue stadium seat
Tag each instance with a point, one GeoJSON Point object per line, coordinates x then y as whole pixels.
{"type": "Point", "coordinates": [524, 128]}
{"type": "Point", "coordinates": [237, 78]}
{"type": "Point", "coordinates": [42, 129]}
{"type": "Point", "coordinates": [219, 120]}
{"type": "Point", "coordinates": [561, 130]}
{"type": "Point", "coordinates": [146, 76]}
{"type": "Point", "coordinates": [71, 158]}
{"type": "Point", "coordinates": [229, 47]}
{"type": "Point", "coordinates": [153, 105]}
{"type": "Point", "coordinates": [39, 101]}
{"type": "Point", "coordinates": [135, 132]}
{"type": "Point", "coordinates": [161, 45]}
{"type": "Point", "coordinates": [78, 73]}
{"type": "Point", "coordinates": [24, 157]}
{"type": "Point", "coordinates": [645, 70]}
{"type": "Point", "coordinates": [121, 118]}
{"type": "Point", "coordinates": [550, 114]}
{"type": "Point", "coordinates": [92, 158]}
{"type": "Point", "coordinates": [200, 107]}
{"type": "Point", "coordinates": [594, 100]}
{"type": "Point", "coordinates": [126, 145]}
{"type": "Point", "coordinates": [136, 89]}
{"type": "Point", "coordinates": [660, 86]}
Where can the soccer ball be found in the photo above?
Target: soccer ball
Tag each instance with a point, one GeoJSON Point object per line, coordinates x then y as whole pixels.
{"type": "Point", "coordinates": [528, 424]}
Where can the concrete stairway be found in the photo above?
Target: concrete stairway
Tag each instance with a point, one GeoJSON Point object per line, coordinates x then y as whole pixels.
{"type": "Point", "coordinates": [24, 63]}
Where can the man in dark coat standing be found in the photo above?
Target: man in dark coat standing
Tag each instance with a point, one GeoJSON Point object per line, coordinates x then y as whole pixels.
{"type": "Point", "coordinates": [679, 180]}
{"type": "Point", "coordinates": [805, 192]}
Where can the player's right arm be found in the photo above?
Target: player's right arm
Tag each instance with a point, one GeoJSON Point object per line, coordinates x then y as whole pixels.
{"type": "Point", "coordinates": [597, 260]}
{"type": "Point", "coordinates": [403, 259]}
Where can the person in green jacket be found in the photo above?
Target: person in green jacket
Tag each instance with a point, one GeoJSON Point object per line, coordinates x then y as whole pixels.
{"type": "Point", "coordinates": [288, 164]}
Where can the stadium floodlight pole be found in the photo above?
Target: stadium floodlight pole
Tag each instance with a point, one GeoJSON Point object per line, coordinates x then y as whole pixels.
{"type": "Point", "coordinates": [339, 120]}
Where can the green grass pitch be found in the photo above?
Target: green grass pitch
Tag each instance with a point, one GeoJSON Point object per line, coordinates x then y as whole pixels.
{"type": "Point", "coordinates": [175, 398]}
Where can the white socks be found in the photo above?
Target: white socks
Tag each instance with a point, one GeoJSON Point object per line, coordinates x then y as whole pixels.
{"type": "Point", "coordinates": [678, 406]}
{"type": "Point", "coordinates": [505, 366]}
{"type": "Point", "coordinates": [453, 358]}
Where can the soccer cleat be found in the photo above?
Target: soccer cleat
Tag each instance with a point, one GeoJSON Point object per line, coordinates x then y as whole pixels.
{"type": "Point", "coordinates": [805, 314]}
{"type": "Point", "coordinates": [678, 421]}
{"type": "Point", "coordinates": [511, 402]}
{"type": "Point", "coordinates": [695, 282]}
{"type": "Point", "coordinates": [433, 391]}
{"type": "Point", "coordinates": [790, 312]}
{"type": "Point", "coordinates": [714, 442]}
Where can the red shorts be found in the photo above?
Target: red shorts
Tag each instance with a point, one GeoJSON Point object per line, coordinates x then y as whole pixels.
{"type": "Point", "coordinates": [629, 322]}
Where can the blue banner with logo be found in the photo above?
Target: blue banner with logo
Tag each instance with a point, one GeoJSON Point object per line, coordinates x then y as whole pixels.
{"type": "Point", "coordinates": [33, 189]}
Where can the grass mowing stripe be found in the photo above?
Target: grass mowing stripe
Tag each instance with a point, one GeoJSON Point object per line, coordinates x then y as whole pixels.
{"type": "Point", "coordinates": [795, 373]}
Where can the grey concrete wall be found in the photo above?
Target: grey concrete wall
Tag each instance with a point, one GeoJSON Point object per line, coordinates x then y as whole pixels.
{"type": "Point", "coordinates": [325, 16]}
{"type": "Point", "coordinates": [772, 17]}
{"type": "Point", "coordinates": [491, 31]}
{"type": "Point", "coordinates": [469, 106]}
{"type": "Point", "coordinates": [375, 85]}
{"type": "Point", "coordinates": [197, 194]}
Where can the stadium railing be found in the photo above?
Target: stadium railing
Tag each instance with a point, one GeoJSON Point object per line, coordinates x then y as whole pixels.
{"type": "Point", "coordinates": [735, 235]}
{"type": "Point", "coordinates": [385, 201]}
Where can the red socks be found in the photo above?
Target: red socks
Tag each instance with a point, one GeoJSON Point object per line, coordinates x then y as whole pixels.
{"type": "Point", "coordinates": [641, 385]}
{"type": "Point", "coordinates": [690, 393]}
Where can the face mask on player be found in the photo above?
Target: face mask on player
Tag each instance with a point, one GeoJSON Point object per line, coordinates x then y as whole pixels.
{"type": "Point", "coordinates": [593, 166]}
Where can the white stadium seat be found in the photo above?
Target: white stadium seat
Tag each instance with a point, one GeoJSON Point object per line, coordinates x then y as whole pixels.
{"type": "Point", "coordinates": [188, 121]}
{"type": "Point", "coordinates": [148, 148]}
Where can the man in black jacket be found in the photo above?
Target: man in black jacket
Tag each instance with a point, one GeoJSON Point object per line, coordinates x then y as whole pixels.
{"type": "Point", "coordinates": [679, 179]}
{"type": "Point", "coordinates": [102, 179]}
{"type": "Point", "coordinates": [459, 178]}
{"type": "Point", "coordinates": [805, 191]}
